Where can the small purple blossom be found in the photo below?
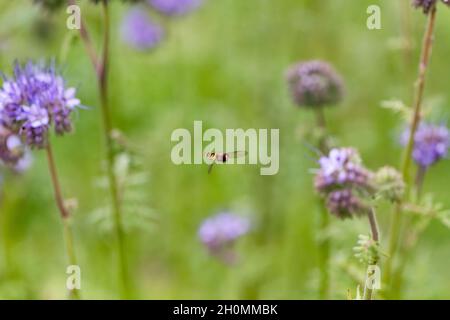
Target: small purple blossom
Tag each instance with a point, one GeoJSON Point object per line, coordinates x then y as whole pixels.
{"type": "Point", "coordinates": [35, 99]}
{"type": "Point", "coordinates": [139, 31]}
{"type": "Point", "coordinates": [220, 231]}
{"type": "Point", "coordinates": [174, 7]}
{"type": "Point", "coordinates": [342, 167]}
{"type": "Point", "coordinates": [315, 84]}
{"type": "Point", "coordinates": [431, 143]}
{"type": "Point", "coordinates": [427, 5]}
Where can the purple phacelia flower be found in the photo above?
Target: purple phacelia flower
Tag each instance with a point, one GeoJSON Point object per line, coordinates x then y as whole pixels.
{"type": "Point", "coordinates": [345, 204]}
{"type": "Point", "coordinates": [427, 5]}
{"type": "Point", "coordinates": [431, 143]}
{"type": "Point", "coordinates": [315, 84]}
{"type": "Point", "coordinates": [341, 168]}
{"type": "Point", "coordinates": [35, 99]}
{"type": "Point", "coordinates": [139, 31]}
{"type": "Point", "coordinates": [219, 232]}
{"type": "Point", "coordinates": [174, 7]}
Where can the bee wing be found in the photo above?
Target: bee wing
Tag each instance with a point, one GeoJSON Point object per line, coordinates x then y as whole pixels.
{"type": "Point", "coordinates": [237, 154]}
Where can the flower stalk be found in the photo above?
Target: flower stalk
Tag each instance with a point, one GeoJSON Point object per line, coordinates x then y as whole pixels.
{"type": "Point", "coordinates": [369, 292]}
{"type": "Point", "coordinates": [324, 245]}
{"type": "Point", "coordinates": [65, 214]}
{"type": "Point", "coordinates": [100, 63]}
{"type": "Point", "coordinates": [406, 162]}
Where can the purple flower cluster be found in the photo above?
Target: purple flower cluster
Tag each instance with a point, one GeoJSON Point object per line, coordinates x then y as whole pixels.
{"type": "Point", "coordinates": [315, 84]}
{"type": "Point", "coordinates": [174, 7]}
{"type": "Point", "coordinates": [220, 231]}
{"type": "Point", "coordinates": [427, 5]}
{"type": "Point", "coordinates": [139, 31]}
{"type": "Point", "coordinates": [35, 99]}
{"type": "Point", "coordinates": [341, 179]}
{"type": "Point", "coordinates": [341, 168]}
{"type": "Point", "coordinates": [431, 143]}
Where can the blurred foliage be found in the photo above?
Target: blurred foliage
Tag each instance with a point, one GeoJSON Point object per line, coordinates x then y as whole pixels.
{"type": "Point", "coordinates": [223, 64]}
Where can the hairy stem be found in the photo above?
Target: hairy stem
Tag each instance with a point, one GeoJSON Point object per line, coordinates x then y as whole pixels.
{"type": "Point", "coordinates": [406, 162]}
{"type": "Point", "coordinates": [420, 87]}
{"type": "Point", "coordinates": [101, 67]}
{"type": "Point", "coordinates": [369, 292]}
{"type": "Point", "coordinates": [107, 129]}
{"type": "Point", "coordinates": [65, 214]}
{"type": "Point", "coordinates": [411, 237]}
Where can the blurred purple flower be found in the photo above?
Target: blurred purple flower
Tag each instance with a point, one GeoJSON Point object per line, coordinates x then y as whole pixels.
{"type": "Point", "coordinates": [427, 5]}
{"type": "Point", "coordinates": [174, 7]}
{"type": "Point", "coordinates": [139, 31]}
{"type": "Point", "coordinates": [342, 167]}
{"type": "Point", "coordinates": [33, 100]}
{"type": "Point", "coordinates": [344, 204]}
{"type": "Point", "coordinates": [431, 143]}
{"type": "Point", "coordinates": [315, 84]}
{"type": "Point", "coordinates": [220, 231]}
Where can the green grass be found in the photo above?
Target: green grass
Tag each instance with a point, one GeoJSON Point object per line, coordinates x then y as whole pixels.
{"type": "Point", "coordinates": [223, 64]}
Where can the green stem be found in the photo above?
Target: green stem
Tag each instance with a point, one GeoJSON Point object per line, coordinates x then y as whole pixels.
{"type": "Point", "coordinates": [424, 60]}
{"type": "Point", "coordinates": [324, 253]}
{"type": "Point", "coordinates": [406, 162]}
{"type": "Point", "coordinates": [412, 236]}
{"type": "Point", "coordinates": [107, 127]}
{"type": "Point", "coordinates": [101, 67]}
{"type": "Point", "coordinates": [65, 214]}
{"type": "Point", "coordinates": [369, 292]}
{"type": "Point", "coordinates": [324, 245]}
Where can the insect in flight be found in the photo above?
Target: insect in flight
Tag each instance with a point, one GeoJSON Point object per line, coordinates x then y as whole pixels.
{"type": "Point", "coordinates": [219, 157]}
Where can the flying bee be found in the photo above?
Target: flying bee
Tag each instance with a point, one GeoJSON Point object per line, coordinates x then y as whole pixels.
{"type": "Point", "coordinates": [219, 157]}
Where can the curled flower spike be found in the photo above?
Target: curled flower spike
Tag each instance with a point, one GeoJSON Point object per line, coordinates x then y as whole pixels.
{"type": "Point", "coordinates": [219, 232]}
{"type": "Point", "coordinates": [389, 184]}
{"type": "Point", "coordinates": [315, 84]}
{"type": "Point", "coordinates": [431, 144]}
{"type": "Point", "coordinates": [174, 7]}
{"type": "Point", "coordinates": [341, 168]}
{"type": "Point", "coordinates": [34, 100]}
{"type": "Point", "coordinates": [139, 31]}
{"type": "Point", "coordinates": [345, 204]}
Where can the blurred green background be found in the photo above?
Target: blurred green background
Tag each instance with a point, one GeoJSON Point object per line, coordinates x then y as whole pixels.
{"type": "Point", "coordinates": [223, 64]}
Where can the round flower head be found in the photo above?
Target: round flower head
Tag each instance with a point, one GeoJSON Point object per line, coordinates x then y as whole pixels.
{"type": "Point", "coordinates": [431, 143]}
{"type": "Point", "coordinates": [341, 168]}
{"type": "Point", "coordinates": [315, 84]}
{"type": "Point", "coordinates": [427, 5]}
{"type": "Point", "coordinates": [139, 31]}
{"type": "Point", "coordinates": [174, 7]}
{"type": "Point", "coordinates": [345, 204]}
{"type": "Point", "coordinates": [34, 100]}
{"type": "Point", "coordinates": [389, 184]}
{"type": "Point", "coordinates": [220, 231]}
